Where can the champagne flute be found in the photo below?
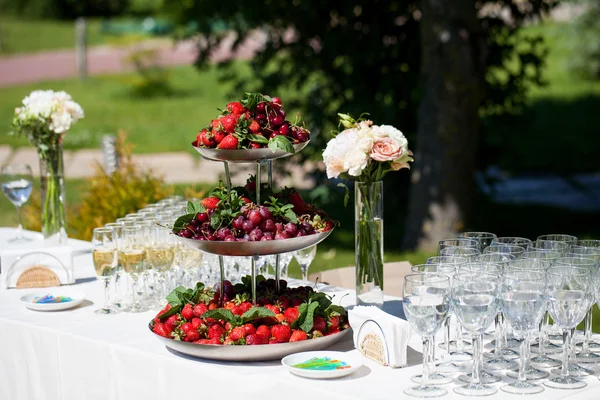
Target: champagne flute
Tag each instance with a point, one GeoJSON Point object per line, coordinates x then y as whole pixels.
{"type": "Point", "coordinates": [104, 255]}
{"type": "Point", "coordinates": [426, 302]}
{"type": "Point", "coordinates": [158, 256]}
{"type": "Point", "coordinates": [305, 258]}
{"type": "Point", "coordinates": [522, 298]}
{"type": "Point", "coordinates": [475, 302]}
{"type": "Point", "coordinates": [570, 293]}
{"type": "Point", "coordinates": [17, 182]}
{"type": "Point", "coordinates": [131, 259]}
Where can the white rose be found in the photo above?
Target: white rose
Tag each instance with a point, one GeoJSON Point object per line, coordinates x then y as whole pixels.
{"type": "Point", "coordinates": [60, 122]}
{"type": "Point", "coordinates": [390, 131]}
{"type": "Point", "coordinates": [355, 161]}
{"type": "Point", "coordinates": [335, 153]}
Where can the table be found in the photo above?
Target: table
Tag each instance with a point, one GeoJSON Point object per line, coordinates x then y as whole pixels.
{"type": "Point", "coordinates": [77, 355]}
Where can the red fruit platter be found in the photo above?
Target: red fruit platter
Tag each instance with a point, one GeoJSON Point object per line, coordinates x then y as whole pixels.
{"type": "Point", "coordinates": [250, 353]}
{"type": "Point", "coordinates": [260, 248]}
{"type": "Point", "coordinates": [245, 156]}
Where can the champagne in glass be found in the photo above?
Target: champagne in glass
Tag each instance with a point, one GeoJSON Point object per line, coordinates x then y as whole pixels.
{"type": "Point", "coordinates": [105, 262]}
{"type": "Point", "coordinates": [17, 182]}
{"type": "Point", "coordinates": [131, 259]}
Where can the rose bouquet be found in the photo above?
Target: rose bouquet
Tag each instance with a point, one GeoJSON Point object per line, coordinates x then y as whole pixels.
{"type": "Point", "coordinates": [44, 118]}
{"type": "Point", "coordinates": [365, 153]}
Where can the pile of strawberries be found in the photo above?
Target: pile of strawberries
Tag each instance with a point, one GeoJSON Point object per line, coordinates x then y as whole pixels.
{"type": "Point", "coordinates": [232, 216]}
{"type": "Point", "coordinates": [255, 122]}
{"type": "Point", "coordinates": [292, 315]}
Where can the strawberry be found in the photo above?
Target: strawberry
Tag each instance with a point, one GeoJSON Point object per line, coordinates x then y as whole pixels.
{"type": "Point", "coordinates": [298, 336]}
{"type": "Point", "coordinates": [298, 203]}
{"type": "Point", "coordinates": [215, 341]}
{"type": "Point", "coordinates": [218, 135]}
{"type": "Point", "coordinates": [172, 321]}
{"type": "Point", "coordinates": [216, 124]}
{"type": "Point", "coordinates": [319, 323]}
{"type": "Point", "coordinates": [334, 322]}
{"type": "Point", "coordinates": [210, 203]}
{"type": "Point", "coordinates": [291, 314]}
{"type": "Point", "coordinates": [229, 305]}
{"type": "Point", "coordinates": [250, 329]}
{"type": "Point", "coordinates": [245, 306]}
{"type": "Point", "coordinates": [228, 342]}
{"type": "Point", "coordinates": [317, 334]}
{"type": "Point", "coordinates": [215, 331]}
{"type": "Point", "coordinates": [280, 318]}
{"type": "Point", "coordinates": [297, 301]}
{"type": "Point", "coordinates": [197, 323]}
{"type": "Point", "coordinates": [273, 341]}
{"type": "Point", "coordinates": [254, 127]}
{"type": "Point", "coordinates": [212, 306]}
{"type": "Point", "coordinates": [199, 309]}
{"type": "Point", "coordinates": [264, 331]}
{"type": "Point", "coordinates": [187, 312]}
{"type": "Point", "coordinates": [161, 330]}
{"type": "Point", "coordinates": [191, 336]}
{"type": "Point", "coordinates": [333, 331]}
{"type": "Point", "coordinates": [238, 333]}
{"type": "Point", "coordinates": [273, 308]}
{"type": "Point", "coordinates": [202, 341]}
{"type": "Point", "coordinates": [230, 142]}
{"type": "Point", "coordinates": [236, 108]}
{"type": "Point", "coordinates": [185, 328]}
{"type": "Point", "coordinates": [246, 200]}
{"type": "Point", "coordinates": [282, 333]}
{"type": "Point", "coordinates": [283, 302]}
{"type": "Point", "coordinates": [228, 122]}
{"type": "Point", "coordinates": [207, 138]}
{"type": "Point", "coordinates": [253, 339]}
{"type": "Point", "coordinates": [255, 145]}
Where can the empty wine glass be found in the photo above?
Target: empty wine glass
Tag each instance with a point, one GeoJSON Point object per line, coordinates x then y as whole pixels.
{"type": "Point", "coordinates": [546, 255]}
{"type": "Point", "coordinates": [426, 301]}
{"type": "Point", "coordinates": [104, 256]}
{"type": "Point", "coordinates": [519, 241]}
{"type": "Point", "coordinates": [475, 302]}
{"type": "Point", "coordinates": [522, 298]}
{"type": "Point", "coordinates": [461, 251]}
{"type": "Point", "coordinates": [569, 297]}
{"type": "Point", "coordinates": [505, 249]}
{"type": "Point", "coordinates": [485, 239]}
{"type": "Point", "coordinates": [558, 238]}
{"type": "Point", "coordinates": [453, 261]}
{"type": "Point", "coordinates": [549, 245]}
{"type": "Point", "coordinates": [17, 182]}
{"type": "Point", "coordinates": [304, 258]}
{"type": "Point", "coordinates": [458, 242]}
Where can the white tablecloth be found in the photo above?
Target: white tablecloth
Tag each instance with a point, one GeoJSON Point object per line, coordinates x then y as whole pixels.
{"type": "Point", "coordinates": [77, 355]}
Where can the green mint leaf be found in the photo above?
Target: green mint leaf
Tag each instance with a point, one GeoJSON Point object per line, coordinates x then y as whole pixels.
{"type": "Point", "coordinates": [171, 311]}
{"type": "Point", "coordinates": [291, 216]}
{"type": "Point", "coordinates": [284, 143]}
{"type": "Point", "coordinates": [215, 220]}
{"type": "Point", "coordinates": [257, 138]}
{"type": "Point", "coordinates": [334, 308]}
{"type": "Point", "coordinates": [273, 145]}
{"type": "Point", "coordinates": [182, 222]}
{"type": "Point", "coordinates": [256, 313]}
{"type": "Point", "coordinates": [195, 208]}
{"type": "Point", "coordinates": [302, 310]}
{"type": "Point", "coordinates": [221, 313]}
{"type": "Point", "coordinates": [308, 322]}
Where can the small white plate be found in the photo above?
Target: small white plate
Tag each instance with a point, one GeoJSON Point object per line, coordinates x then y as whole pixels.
{"type": "Point", "coordinates": [352, 360]}
{"type": "Point", "coordinates": [76, 296]}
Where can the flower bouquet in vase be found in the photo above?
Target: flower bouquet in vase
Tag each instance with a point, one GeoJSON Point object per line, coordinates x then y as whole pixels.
{"type": "Point", "coordinates": [365, 153]}
{"type": "Point", "coordinates": [44, 118]}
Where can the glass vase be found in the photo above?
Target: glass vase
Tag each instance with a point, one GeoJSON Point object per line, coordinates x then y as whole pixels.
{"type": "Point", "coordinates": [368, 205]}
{"type": "Point", "coordinates": [54, 219]}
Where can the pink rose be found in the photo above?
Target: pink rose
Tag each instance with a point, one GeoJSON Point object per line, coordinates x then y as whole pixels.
{"type": "Point", "coordinates": [385, 149]}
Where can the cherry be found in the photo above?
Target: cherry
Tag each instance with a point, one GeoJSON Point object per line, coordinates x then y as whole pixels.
{"type": "Point", "coordinates": [202, 217]}
{"type": "Point", "coordinates": [222, 233]}
{"type": "Point", "coordinates": [248, 225]}
{"type": "Point", "coordinates": [255, 217]}
{"type": "Point", "coordinates": [276, 120]}
{"type": "Point", "coordinates": [268, 235]}
{"type": "Point", "coordinates": [186, 233]}
{"type": "Point", "coordinates": [260, 118]}
{"type": "Point", "coordinates": [241, 240]}
{"type": "Point", "coordinates": [302, 136]}
{"type": "Point", "coordinates": [291, 229]}
{"type": "Point", "coordinates": [265, 238]}
{"type": "Point", "coordinates": [277, 100]}
{"type": "Point", "coordinates": [265, 212]}
{"type": "Point", "coordinates": [278, 226]}
{"type": "Point", "coordinates": [260, 107]}
{"type": "Point", "coordinates": [229, 238]}
{"type": "Point", "coordinates": [255, 235]}
{"type": "Point", "coordinates": [281, 236]}
{"type": "Point", "coordinates": [282, 113]}
{"type": "Point", "coordinates": [284, 129]}
{"type": "Point", "coordinates": [300, 233]}
{"type": "Point", "coordinates": [238, 222]}
{"type": "Point", "coordinates": [267, 225]}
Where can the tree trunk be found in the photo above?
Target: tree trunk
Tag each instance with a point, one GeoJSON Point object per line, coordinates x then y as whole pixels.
{"type": "Point", "coordinates": [453, 51]}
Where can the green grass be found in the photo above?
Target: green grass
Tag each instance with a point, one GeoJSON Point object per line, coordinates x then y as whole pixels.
{"type": "Point", "coordinates": [154, 124]}
{"type": "Point", "coordinates": [26, 36]}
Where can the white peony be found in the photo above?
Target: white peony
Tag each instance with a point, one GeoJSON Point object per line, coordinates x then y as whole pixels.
{"type": "Point", "coordinates": [56, 109]}
{"type": "Point", "coordinates": [343, 155]}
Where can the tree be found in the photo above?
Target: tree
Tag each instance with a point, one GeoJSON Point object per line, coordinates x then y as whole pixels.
{"type": "Point", "coordinates": [395, 60]}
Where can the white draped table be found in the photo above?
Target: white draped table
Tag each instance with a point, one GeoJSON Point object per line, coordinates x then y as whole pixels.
{"type": "Point", "coordinates": [77, 355]}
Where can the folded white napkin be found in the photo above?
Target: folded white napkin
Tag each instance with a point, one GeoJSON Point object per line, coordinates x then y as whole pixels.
{"type": "Point", "coordinates": [17, 260]}
{"type": "Point", "coordinates": [379, 335]}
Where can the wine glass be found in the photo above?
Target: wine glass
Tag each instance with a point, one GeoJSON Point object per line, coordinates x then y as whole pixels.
{"type": "Point", "coordinates": [461, 251]}
{"type": "Point", "coordinates": [522, 298]}
{"type": "Point", "coordinates": [131, 259]}
{"type": "Point", "coordinates": [513, 249]}
{"type": "Point", "coordinates": [485, 239]}
{"type": "Point", "coordinates": [558, 238]}
{"type": "Point", "coordinates": [519, 241]}
{"type": "Point", "coordinates": [549, 245]}
{"type": "Point", "coordinates": [475, 302]}
{"type": "Point", "coordinates": [453, 261]}
{"type": "Point", "coordinates": [458, 242]}
{"type": "Point", "coordinates": [17, 182]}
{"type": "Point", "coordinates": [104, 255]}
{"type": "Point", "coordinates": [570, 293]}
{"type": "Point", "coordinates": [304, 258]}
{"type": "Point", "coordinates": [425, 302]}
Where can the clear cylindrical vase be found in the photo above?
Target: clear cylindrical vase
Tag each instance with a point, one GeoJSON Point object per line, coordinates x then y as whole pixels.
{"type": "Point", "coordinates": [368, 204]}
{"type": "Point", "coordinates": [54, 216]}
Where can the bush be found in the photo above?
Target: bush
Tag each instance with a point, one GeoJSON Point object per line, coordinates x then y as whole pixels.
{"type": "Point", "coordinates": [63, 9]}
{"type": "Point", "coordinates": [586, 40]}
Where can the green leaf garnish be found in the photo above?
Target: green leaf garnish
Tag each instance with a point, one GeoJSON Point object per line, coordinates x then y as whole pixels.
{"type": "Point", "coordinates": [221, 313]}
{"type": "Point", "coordinates": [256, 313]}
{"type": "Point", "coordinates": [308, 322]}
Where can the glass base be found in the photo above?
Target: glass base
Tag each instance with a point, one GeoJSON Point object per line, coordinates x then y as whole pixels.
{"type": "Point", "coordinates": [588, 357]}
{"type": "Point", "coordinates": [475, 389]}
{"type": "Point", "coordinates": [19, 239]}
{"type": "Point", "coordinates": [531, 374]}
{"type": "Point", "coordinates": [595, 347]}
{"type": "Point", "coordinates": [549, 348]}
{"type": "Point", "coordinates": [434, 379]}
{"type": "Point", "coordinates": [498, 364]}
{"type": "Point", "coordinates": [543, 361]}
{"type": "Point", "coordinates": [466, 346]}
{"type": "Point", "coordinates": [484, 377]}
{"type": "Point", "coordinates": [136, 308]}
{"type": "Point", "coordinates": [106, 311]}
{"type": "Point", "coordinates": [449, 367]}
{"type": "Point", "coordinates": [565, 382]}
{"type": "Point", "coordinates": [426, 391]}
{"type": "Point", "coordinates": [509, 354]}
{"type": "Point", "coordinates": [522, 388]}
{"type": "Point", "coordinates": [575, 370]}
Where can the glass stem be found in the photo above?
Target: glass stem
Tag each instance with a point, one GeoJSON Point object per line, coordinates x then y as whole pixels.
{"type": "Point", "coordinates": [459, 339]}
{"type": "Point", "coordinates": [19, 224]}
{"type": "Point", "coordinates": [304, 269]}
{"type": "Point", "coordinates": [447, 334]}
{"type": "Point", "coordinates": [543, 335]}
{"type": "Point", "coordinates": [587, 332]}
{"type": "Point", "coordinates": [426, 351]}
{"type": "Point", "coordinates": [564, 371]}
{"type": "Point", "coordinates": [498, 346]}
{"type": "Point", "coordinates": [106, 294]}
{"type": "Point", "coordinates": [477, 341]}
{"type": "Point", "coordinates": [133, 292]}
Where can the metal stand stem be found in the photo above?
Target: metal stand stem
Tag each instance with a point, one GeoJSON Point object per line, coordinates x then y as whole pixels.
{"type": "Point", "coordinates": [277, 272]}
{"type": "Point", "coordinates": [258, 180]}
{"type": "Point", "coordinates": [253, 272]}
{"type": "Point", "coordinates": [270, 173]}
{"type": "Point", "coordinates": [227, 175]}
{"type": "Point", "coordinates": [222, 279]}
